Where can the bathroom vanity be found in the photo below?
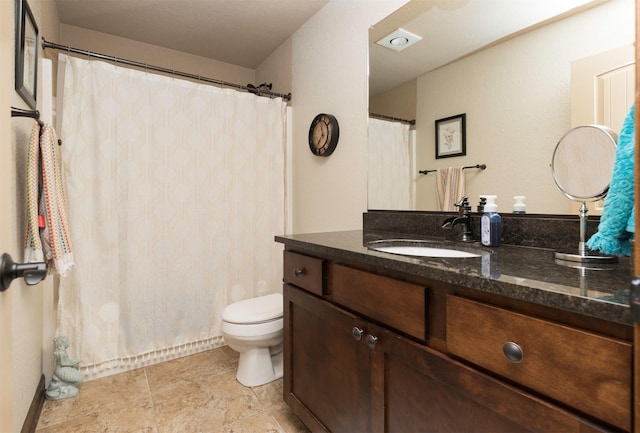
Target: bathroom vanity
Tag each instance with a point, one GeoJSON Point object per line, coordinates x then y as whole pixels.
{"type": "Point", "coordinates": [507, 341]}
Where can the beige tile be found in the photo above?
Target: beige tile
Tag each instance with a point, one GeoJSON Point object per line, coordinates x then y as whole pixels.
{"type": "Point", "coordinates": [270, 395]}
{"type": "Point", "coordinates": [289, 421]}
{"type": "Point", "coordinates": [188, 418]}
{"type": "Point", "coordinates": [210, 362]}
{"type": "Point", "coordinates": [198, 393]}
{"type": "Point", "coordinates": [106, 395]}
{"type": "Point", "coordinates": [57, 411]}
{"type": "Point", "coordinates": [136, 418]}
{"type": "Point", "coordinates": [117, 390]}
{"type": "Point", "coordinates": [260, 423]}
{"type": "Point", "coordinates": [215, 400]}
{"type": "Point", "coordinates": [230, 352]}
{"type": "Point", "coordinates": [75, 425]}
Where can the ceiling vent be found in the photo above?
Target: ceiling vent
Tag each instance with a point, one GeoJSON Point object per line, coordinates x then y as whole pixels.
{"type": "Point", "coordinates": [399, 40]}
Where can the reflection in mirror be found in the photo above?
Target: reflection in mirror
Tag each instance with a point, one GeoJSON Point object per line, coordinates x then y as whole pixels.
{"type": "Point", "coordinates": [582, 165]}
{"type": "Point", "coordinates": [583, 161]}
{"type": "Point", "coordinates": [516, 87]}
{"type": "Point", "coordinates": [392, 165]}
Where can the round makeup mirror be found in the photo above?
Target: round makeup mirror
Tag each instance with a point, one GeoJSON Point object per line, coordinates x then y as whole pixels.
{"type": "Point", "coordinates": [582, 164]}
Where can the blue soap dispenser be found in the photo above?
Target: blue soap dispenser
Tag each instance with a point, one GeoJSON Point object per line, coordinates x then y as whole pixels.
{"type": "Point", "coordinates": [490, 223]}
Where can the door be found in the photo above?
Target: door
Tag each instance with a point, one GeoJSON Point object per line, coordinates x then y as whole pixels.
{"type": "Point", "coordinates": [635, 294]}
{"type": "Point", "coordinates": [326, 364]}
{"type": "Point", "coordinates": [602, 88]}
{"type": "Point", "coordinates": [602, 91]}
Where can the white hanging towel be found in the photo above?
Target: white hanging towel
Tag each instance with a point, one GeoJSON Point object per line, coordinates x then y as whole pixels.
{"type": "Point", "coordinates": [449, 187]}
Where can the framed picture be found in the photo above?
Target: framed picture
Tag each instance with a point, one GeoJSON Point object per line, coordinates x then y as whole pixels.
{"type": "Point", "coordinates": [451, 136]}
{"type": "Point", "coordinates": [26, 53]}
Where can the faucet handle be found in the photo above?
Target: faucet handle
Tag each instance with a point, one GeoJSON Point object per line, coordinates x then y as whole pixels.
{"type": "Point", "coordinates": [464, 206]}
{"type": "Point", "coordinates": [464, 201]}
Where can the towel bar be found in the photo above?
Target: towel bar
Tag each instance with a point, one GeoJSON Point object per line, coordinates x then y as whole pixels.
{"type": "Point", "coordinates": [20, 112]}
{"type": "Point", "coordinates": [480, 166]}
{"type": "Point", "coordinates": [34, 114]}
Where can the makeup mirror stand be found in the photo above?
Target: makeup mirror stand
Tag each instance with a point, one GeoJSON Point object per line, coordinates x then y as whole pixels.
{"type": "Point", "coordinates": [584, 255]}
{"type": "Point", "coordinates": [582, 164]}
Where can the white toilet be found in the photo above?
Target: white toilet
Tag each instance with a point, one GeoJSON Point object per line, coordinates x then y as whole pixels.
{"type": "Point", "coordinates": [253, 328]}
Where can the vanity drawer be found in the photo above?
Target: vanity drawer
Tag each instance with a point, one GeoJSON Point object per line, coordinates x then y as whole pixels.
{"type": "Point", "coordinates": [396, 304]}
{"type": "Point", "coordinates": [587, 371]}
{"type": "Point", "coordinates": [304, 271]}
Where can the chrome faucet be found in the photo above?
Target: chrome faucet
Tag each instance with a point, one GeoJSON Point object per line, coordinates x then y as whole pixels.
{"type": "Point", "coordinates": [463, 218]}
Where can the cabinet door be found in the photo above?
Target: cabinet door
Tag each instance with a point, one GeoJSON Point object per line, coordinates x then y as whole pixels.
{"type": "Point", "coordinates": [426, 391]}
{"type": "Point", "coordinates": [326, 373]}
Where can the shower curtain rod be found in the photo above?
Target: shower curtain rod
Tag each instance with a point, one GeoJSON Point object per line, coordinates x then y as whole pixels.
{"type": "Point", "coordinates": [395, 119]}
{"type": "Point", "coordinates": [263, 89]}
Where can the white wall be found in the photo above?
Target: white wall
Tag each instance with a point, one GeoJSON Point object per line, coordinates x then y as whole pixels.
{"type": "Point", "coordinates": [110, 45]}
{"type": "Point", "coordinates": [516, 110]}
{"type": "Point", "coordinates": [7, 221]}
{"type": "Point", "coordinates": [329, 64]}
{"type": "Point", "coordinates": [276, 69]}
{"type": "Point", "coordinates": [398, 102]}
{"type": "Point", "coordinates": [21, 306]}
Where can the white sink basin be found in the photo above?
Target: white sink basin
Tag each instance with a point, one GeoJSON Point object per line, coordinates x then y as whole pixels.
{"type": "Point", "coordinates": [426, 252]}
{"type": "Point", "coordinates": [420, 248]}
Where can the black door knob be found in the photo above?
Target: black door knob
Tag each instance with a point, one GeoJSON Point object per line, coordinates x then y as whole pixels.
{"type": "Point", "coordinates": [32, 273]}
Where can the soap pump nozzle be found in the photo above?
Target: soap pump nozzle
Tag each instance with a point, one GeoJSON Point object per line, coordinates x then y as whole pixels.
{"type": "Point", "coordinates": [491, 205]}
{"type": "Point", "coordinates": [519, 206]}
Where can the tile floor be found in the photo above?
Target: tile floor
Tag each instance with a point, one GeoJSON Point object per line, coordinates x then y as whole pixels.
{"type": "Point", "coordinates": [198, 393]}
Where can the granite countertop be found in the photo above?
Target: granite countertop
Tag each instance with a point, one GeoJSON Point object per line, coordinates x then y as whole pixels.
{"type": "Point", "coordinates": [524, 273]}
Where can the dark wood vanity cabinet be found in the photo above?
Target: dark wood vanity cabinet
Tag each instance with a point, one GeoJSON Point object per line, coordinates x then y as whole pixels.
{"type": "Point", "coordinates": [427, 391]}
{"type": "Point", "coordinates": [581, 369]}
{"type": "Point", "coordinates": [328, 376]}
{"type": "Point", "coordinates": [358, 359]}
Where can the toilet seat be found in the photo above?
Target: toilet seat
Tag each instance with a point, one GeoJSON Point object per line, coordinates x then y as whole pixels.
{"type": "Point", "coordinates": [255, 310]}
{"type": "Point", "coordinates": [253, 330]}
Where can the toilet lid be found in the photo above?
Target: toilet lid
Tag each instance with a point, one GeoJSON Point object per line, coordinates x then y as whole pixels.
{"type": "Point", "coordinates": [254, 310]}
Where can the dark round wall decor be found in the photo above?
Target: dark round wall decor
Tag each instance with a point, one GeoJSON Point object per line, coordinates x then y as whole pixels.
{"type": "Point", "coordinates": [323, 134]}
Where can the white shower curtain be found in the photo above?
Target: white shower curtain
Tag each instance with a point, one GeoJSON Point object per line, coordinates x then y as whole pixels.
{"type": "Point", "coordinates": [391, 166]}
{"type": "Point", "coordinates": [175, 192]}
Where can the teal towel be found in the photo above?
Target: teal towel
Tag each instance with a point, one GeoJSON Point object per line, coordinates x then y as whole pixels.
{"type": "Point", "coordinates": [617, 224]}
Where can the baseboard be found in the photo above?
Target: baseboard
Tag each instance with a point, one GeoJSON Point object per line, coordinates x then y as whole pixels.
{"type": "Point", "coordinates": [31, 421]}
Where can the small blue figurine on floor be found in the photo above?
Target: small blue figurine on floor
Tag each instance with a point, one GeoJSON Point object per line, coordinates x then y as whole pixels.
{"type": "Point", "coordinates": [66, 377]}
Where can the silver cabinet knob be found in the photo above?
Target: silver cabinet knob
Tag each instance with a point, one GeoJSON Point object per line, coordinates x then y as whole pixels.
{"type": "Point", "coordinates": [372, 340]}
{"type": "Point", "coordinates": [357, 333]}
{"type": "Point", "coordinates": [298, 271]}
{"type": "Point", "coordinates": [513, 352]}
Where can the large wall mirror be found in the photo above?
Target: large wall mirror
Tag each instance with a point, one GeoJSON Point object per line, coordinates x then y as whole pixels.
{"type": "Point", "coordinates": [516, 69]}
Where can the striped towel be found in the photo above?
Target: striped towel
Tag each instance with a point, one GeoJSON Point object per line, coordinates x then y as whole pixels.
{"type": "Point", "coordinates": [47, 237]}
{"type": "Point", "coordinates": [449, 187]}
